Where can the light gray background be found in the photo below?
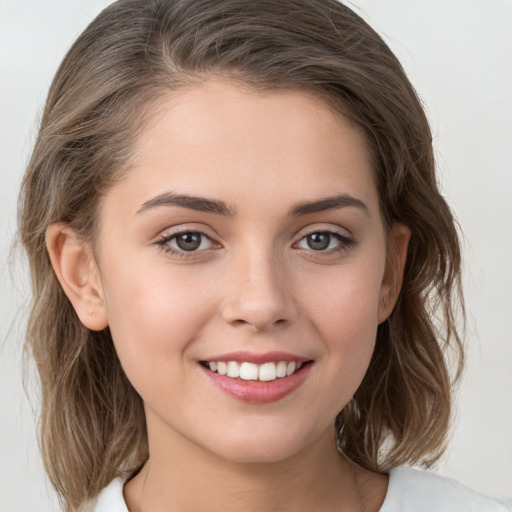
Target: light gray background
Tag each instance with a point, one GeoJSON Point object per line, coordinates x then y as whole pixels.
{"type": "Point", "coordinates": [458, 54]}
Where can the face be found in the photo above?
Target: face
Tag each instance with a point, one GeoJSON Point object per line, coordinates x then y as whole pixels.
{"type": "Point", "coordinates": [246, 238]}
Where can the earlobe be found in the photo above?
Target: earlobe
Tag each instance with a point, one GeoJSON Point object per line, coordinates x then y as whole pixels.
{"type": "Point", "coordinates": [393, 275]}
{"type": "Point", "coordinates": [75, 267]}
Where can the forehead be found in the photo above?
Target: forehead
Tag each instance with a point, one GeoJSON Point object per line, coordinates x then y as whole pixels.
{"type": "Point", "coordinates": [219, 139]}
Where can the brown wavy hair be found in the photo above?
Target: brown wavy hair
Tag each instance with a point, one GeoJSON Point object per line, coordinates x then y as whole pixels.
{"type": "Point", "coordinates": [92, 425]}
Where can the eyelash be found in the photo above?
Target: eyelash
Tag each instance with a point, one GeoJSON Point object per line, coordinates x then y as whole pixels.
{"type": "Point", "coordinates": [345, 242]}
{"type": "Point", "coordinates": [182, 253]}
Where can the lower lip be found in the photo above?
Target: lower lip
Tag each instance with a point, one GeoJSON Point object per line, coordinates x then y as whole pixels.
{"type": "Point", "coordinates": [258, 392]}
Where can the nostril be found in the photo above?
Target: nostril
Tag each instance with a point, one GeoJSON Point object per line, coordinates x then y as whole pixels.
{"type": "Point", "coordinates": [258, 324]}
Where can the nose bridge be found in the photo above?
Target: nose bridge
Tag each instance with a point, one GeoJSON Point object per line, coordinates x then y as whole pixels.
{"type": "Point", "coordinates": [258, 295]}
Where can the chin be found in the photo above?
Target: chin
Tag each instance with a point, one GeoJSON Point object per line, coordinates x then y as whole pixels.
{"type": "Point", "coordinates": [262, 445]}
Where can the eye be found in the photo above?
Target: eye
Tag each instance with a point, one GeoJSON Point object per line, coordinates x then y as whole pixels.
{"type": "Point", "coordinates": [324, 241]}
{"type": "Point", "coordinates": [186, 241]}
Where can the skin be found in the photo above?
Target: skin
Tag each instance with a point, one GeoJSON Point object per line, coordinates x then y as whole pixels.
{"type": "Point", "coordinates": [255, 283]}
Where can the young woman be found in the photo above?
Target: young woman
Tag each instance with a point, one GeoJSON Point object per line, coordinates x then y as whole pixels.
{"type": "Point", "coordinates": [245, 277]}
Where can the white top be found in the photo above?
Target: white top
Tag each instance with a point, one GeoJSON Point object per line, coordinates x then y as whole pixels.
{"type": "Point", "coordinates": [409, 490]}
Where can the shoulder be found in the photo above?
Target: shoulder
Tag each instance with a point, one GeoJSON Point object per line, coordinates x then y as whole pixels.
{"type": "Point", "coordinates": [109, 499]}
{"type": "Point", "coordinates": [411, 490]}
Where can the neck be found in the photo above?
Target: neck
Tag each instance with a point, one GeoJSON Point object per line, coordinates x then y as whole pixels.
{"type": "Point", "coordinates": [187, 477]}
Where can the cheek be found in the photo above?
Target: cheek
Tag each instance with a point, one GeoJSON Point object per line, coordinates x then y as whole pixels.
{"type": "Point", "coordinates": [344, 311]}
{"type": "Point", "coordinates": [154, 314]}
{"type": "Point", "coordinates": [346, 299]}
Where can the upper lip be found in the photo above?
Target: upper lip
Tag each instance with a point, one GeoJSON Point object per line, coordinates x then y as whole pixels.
{"type": "Point", "coordinates": [258, 358]}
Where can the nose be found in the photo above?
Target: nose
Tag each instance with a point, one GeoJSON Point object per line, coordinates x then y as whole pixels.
{"type": "Point", "coordinates": [259, 295]}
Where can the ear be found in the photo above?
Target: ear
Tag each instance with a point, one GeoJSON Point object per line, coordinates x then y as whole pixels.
{"type": "Point", "coordinates": [391, 285]}
{"type": "Point", "coordinates": [77, 271]}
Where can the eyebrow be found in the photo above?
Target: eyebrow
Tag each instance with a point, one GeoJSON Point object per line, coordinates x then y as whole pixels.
{"type": "Point", "coordinates": [200, 204]}
{"type": "Point", "coordinates": [328, 203]}
{"type": "Point", "coordinates": [220, 207]}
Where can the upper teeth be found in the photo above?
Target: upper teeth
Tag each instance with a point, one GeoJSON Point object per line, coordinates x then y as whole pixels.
{"type": "Point", "coordinates": [251, 371]}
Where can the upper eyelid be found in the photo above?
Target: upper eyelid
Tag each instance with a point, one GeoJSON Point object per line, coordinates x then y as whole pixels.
{"type": "Point", "coordinates": [169, 236]}
{"type": "Point", "coordinates": [172, 231]}
{"type": "Point", "coordinates": [341, 237]}
{"type": "Point", "coordinates": [335, 230]}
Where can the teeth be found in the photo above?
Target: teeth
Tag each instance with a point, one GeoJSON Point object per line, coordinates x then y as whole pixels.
{"type": "Point", "coordinates": [222, 368]}
{"type": "Point", "coordinates": [290, 368]}
{"type": "Point", "coordinates": [249, 371]}
{"type": "Point", "coordinates": [281, 369]}
{"type": "Point", "coordinates": [268, 372]}
{"type": "Point", "coordinates": [233, 369]}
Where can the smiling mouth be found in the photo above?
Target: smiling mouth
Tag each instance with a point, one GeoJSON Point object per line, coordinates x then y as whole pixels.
{"type": "Point", "coordinates": [265, 372]}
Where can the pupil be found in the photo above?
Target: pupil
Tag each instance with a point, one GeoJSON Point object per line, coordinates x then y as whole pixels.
{"type": "Point", "coordinates": [189, 241]}
{"type": "Point", "coordinates": [319, 241]}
